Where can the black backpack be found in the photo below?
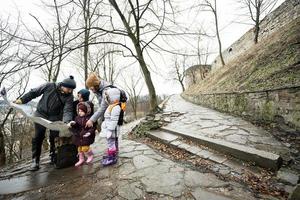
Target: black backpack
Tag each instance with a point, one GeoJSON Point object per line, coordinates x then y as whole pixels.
{"type": "Point", "coordinates": [121, 116]}
{"type": "Point", "coordinates": [66, 156]}
{"type": "Point", "coordinates": [123, 96]}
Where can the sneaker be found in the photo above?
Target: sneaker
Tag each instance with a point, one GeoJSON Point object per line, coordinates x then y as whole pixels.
{"type": "Point", "coordinates": [53, 158]}
{"type": "Point", "coordinates": [35, 165]}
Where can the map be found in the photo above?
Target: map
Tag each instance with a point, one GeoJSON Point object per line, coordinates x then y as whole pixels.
{"type": "Point", "coordinates": [28, 111]}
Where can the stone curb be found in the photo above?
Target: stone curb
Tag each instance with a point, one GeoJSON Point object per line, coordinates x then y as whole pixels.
{"type": "Point", "coordinates": [173, 140]}
{"type": "Point", "coordinates": [261, 158]}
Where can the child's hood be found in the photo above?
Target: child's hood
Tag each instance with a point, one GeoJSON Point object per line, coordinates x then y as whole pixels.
{"type": "Point", "coordinates": [113, 94]}
{"type": "Point", "coordinates": [86, 105]}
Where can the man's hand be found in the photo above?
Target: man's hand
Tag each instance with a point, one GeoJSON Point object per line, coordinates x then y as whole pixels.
{"type": "Point", "coordinates": [89, 124]}
{"type": "Point", "coordinates": [87, 134]}
{"type": "Point", "coordinates": [18, 101]}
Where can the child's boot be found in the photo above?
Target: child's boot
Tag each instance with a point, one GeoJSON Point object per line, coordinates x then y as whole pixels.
{"type": "Point", "coordinates": [81, 159]}
{"type": "Point", "coordinates": [90, 156]}
{"type": "Point", "coordinates": [111, 158]}
{"type": "Point", "coordinates": [105, 155]}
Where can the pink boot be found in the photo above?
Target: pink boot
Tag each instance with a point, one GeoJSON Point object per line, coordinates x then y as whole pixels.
{"type": "Point", "coordinates": [81, 159]}
{"type": "Point", "coordinates": [90, 157]}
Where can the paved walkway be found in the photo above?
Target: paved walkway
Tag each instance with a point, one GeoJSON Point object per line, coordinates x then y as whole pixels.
{"type": "Point", "coordinates": [141, 173]}
{"type": "Point", "coordinates": [213, 124]}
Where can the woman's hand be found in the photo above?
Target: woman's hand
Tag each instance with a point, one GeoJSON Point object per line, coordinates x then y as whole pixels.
{"type": "Point", "coordinates": [89, 124]}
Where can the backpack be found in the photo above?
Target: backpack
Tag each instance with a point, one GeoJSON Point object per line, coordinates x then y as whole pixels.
{"type": "Point", "coordinates": [123, 96]}
{"type": "Point", "coordinates": [123, 99]}
{"type": "Point", "coordinates": [66, 156]}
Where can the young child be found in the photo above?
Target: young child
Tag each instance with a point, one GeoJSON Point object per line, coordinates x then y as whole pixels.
{"type": "Point", "coordinates": [83, 137]}
{"type": "Point", "coordinates": [110, 125]}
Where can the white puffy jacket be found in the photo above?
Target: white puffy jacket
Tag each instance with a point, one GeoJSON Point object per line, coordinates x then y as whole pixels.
{"type": "Point", "coordinates": [110, 125]}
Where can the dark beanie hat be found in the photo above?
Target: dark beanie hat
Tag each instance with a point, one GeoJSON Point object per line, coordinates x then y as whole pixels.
{"type": "Point", "coordinates": [69, 83]}
{"type": "Point", "coordinates": [85, 94]}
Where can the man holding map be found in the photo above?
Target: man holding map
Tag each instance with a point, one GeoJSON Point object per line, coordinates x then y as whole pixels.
{"type": "Point", "coordinates": [56, 104]}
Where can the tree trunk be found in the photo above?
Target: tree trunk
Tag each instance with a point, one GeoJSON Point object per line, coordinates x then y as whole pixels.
{"type": "Point", "coordinates": [182, 86]}
{"type": "Point", "coordinates": [86, 11]}
{"type": "Point", "coordinates": [256, 28]}
{"type": "Point", "coordinates": [135, 40]}
{"type": "Point", "coordinates": [148, 80]}
{"type": "Point", "coordinates": [135, 107]}
{"type": "Point", "coordinates": [218, 35]}
{"type": "Point", "coordinates": [58, 66]}
{"type": "Point", "coordinates": [256, 32]}
{"type": "Point", "coordinates": [2, 148]}
{"type": "Point", "coordinates": [85, 57]}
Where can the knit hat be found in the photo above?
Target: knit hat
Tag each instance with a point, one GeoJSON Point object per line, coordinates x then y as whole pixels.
{"type": "Point", "coordinates": [85, 94]}
{"type": "Point", "coordinates": [93, 80]}
{"type": "Point", "coordinates": [69, 82]}
{"type": "Point", "coordinates": [82, 106]}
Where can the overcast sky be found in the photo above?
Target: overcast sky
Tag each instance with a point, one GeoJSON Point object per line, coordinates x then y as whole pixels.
{"type": "Point", "coordinates": [228, 12]}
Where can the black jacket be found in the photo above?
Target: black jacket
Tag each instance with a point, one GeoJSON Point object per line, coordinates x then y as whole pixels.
{"type": "Point", "coordinates": [54, 105]}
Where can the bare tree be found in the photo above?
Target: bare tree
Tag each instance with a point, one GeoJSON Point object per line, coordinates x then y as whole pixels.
{"type": "Point", "coordinates": [103, 62]}
{"type": "Point", "coordinates": [256, 10]}
{"type": "Point", "coordinates": [202, 52]}
{"type": "Point", "coordinates": [212, 6]}
{"type": "Point", "coordinates": [11, 59]}
{"type": "Point", "coordinates": [5, 116]}
{"type": "Point", "coordinates": [90, 15]}
{"type": "Point", "coordinates": [137, 11]}
{"type": "Point", "coordinates": [17, 136]}
{"type": "Point", "coordinates": [55, 41]}
{"type": "Point", "coordinates": [178, 71]}
{"type": "Point", "coordinates": [8, 128]}
{"type": "Point", "coordinates": [136, 26]}
{"type": "Point", "coordinates": [8, 56]}
{"type": "Point", "coordinates": [109, 67]}
{"type": "Point", "coordinates": [134, 88]}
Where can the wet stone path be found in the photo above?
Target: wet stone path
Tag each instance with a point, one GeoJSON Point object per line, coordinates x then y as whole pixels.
{"type": "Point", "coordinates": [141, 173]}
{"type": "Point", "coordinates": [213, 124]}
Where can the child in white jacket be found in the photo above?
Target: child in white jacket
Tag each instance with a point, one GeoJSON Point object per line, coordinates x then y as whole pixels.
{"type": "Point", "coordinates": [110, 126]}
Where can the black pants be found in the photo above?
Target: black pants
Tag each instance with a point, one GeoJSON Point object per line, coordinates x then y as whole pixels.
{"type": "Point", "coordinates": [37, 141]}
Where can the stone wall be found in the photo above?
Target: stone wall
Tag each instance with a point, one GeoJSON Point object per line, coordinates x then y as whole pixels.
{"type": "Point", "coordinates": [284, 14]}
{"type": "Point", "coordinates": [280, 106]}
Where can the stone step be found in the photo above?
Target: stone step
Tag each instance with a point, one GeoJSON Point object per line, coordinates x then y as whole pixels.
{"type": "Point", "coordinates": [261, 158]}
{"type": "Point", "coordinates": [175, 141]}
{"type": "Point", "coordinates": [228, 164]}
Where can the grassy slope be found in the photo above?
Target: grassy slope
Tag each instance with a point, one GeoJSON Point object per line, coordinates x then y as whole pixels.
{"type": "Point", "coordinates": [273, 63]}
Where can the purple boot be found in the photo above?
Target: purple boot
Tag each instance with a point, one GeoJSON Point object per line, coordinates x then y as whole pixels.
{"type": "Point", "coordinates": [111, 158]}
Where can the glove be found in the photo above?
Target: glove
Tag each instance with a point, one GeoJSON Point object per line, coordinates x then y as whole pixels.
{"type": "Point", "coordinates": [71, 123]}
{"type": "Point", "coordinates": [18, 101]}
{"type": "Point", "coordinates": [87, 134]}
